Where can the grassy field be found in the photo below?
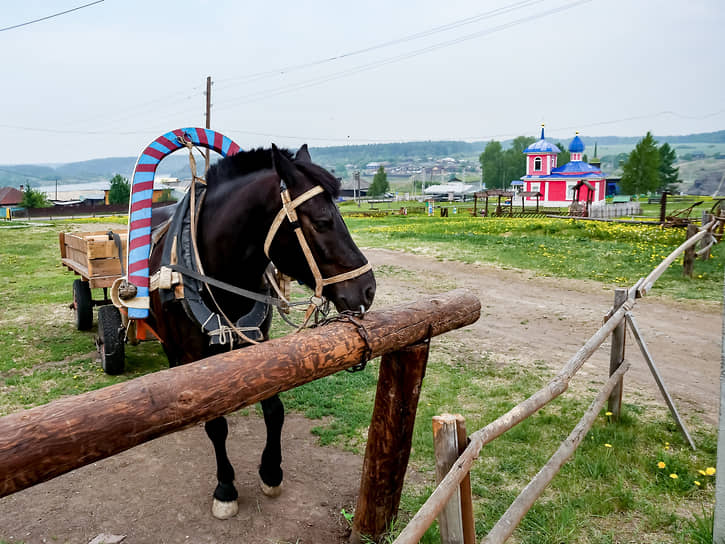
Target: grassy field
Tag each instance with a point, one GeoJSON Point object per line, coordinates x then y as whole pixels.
{"type": "Point", "coordinates": [612, 253]}
{"type": "Point", "coordinates": [632, 481]}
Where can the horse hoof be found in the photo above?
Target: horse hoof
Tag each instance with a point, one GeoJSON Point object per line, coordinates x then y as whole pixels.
{"type": "Point", "coordinates": [224, 509]}
{"type": "Point", "coordinates": [271, 491]}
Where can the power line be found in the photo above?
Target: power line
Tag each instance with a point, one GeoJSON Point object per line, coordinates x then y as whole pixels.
{"type": "Point", "coordinates": [50, 16]}
{"type": "Point", "coordinates": [249, 78]}
{"type": "Point", "coordinates": [425, 33]}
{"type": "Point", "coordinates": [268, 93]}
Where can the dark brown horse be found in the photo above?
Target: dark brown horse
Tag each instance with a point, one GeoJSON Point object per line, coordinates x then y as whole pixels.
{"type": "Point", "coordinates": [244, 195]}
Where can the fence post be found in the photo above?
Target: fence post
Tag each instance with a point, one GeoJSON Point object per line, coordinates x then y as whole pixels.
{"type": "Point", "coordinates": [616, 355]}
{"type": "Point", "coordinates": [688, 259]}
{"type": "Point", "coordinates": [469, 524]}
{"type": "Point", "coordinates": [706, 218]}
{"type": "Point", "coordinates": [445, 443]}
{"type": "Point", "coordinates": [389, 440]}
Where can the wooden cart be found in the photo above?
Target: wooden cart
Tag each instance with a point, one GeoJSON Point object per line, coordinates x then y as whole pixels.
{"type": "Point", "coordinates": [94, 257]}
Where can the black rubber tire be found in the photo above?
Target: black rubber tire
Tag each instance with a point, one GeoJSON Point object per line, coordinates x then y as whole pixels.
{"type": "Point", "coordinates": [83, 305]}
{"type": "Point", "coordinates": [111, 340]}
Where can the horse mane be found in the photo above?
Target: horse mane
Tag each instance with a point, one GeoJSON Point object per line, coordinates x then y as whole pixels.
{"type": "Point", "coordinates": [247, 162]}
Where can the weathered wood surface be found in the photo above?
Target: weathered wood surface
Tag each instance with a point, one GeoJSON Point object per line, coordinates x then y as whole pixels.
{"type": "Point", "coordinates": [445, 444]}
{"type": "Point", "coordinates": [688, 260]}
{"type": "Point", "coordinates": [50, 440]}
{"type": "Point", "coordinates": [616, 355]}
{"type": "Point", "coordinates": [389, 441]}
{"type": "Point", "coordinates": [469, 522]}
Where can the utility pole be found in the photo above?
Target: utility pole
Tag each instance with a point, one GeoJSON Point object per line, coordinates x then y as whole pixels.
{"type": "Point", "coordinates": [208, 114]}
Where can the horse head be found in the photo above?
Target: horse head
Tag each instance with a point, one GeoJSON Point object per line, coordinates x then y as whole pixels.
{"type": "Point", "coordinates": [312, 243]}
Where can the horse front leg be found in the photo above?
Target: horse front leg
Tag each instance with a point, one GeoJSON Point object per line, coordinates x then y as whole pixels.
{"type": "Point", "coordinates": [270, 470]}
{"type": "Point", "coordinates": [225, 495]}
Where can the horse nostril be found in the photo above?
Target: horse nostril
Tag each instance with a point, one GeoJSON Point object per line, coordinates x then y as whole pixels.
{"type": "Point", "coordinates": [369, 296]}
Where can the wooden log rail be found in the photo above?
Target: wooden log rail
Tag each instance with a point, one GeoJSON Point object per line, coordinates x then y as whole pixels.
{"type": "Point", "coordinates": [47, 441]}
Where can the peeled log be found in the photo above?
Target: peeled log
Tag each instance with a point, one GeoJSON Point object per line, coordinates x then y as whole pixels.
{"type": "Point", "coordinates": [44, 442]}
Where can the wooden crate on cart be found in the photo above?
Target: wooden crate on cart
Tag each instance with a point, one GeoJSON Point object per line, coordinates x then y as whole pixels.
{"type": "Point", "coordinates": [92, 255]}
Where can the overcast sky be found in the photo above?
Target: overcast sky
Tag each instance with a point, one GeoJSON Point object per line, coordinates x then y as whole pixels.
{"type": "Point", "coordinates": [107, 79]}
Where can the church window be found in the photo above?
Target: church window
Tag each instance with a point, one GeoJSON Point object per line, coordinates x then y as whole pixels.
{"type": "Point", "coordinates": [537, 163]}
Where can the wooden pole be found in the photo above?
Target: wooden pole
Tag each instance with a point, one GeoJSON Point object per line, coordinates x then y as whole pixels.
{"type": "Point", "coordinates": [688, 260]}
{"type": "Point", "coordinates": [718, 529]}
{"type": "Point", "coordinates": [658, 379]}
{"type": "Point", "coordinates": [616, 355]}
{"type": "Point", "coordinates": [518, 509]}
{"type": "Point", "coordinates": [50, 440]}
{"type": "Point", "coordinates": [389, 440]}
{"type": "Point", "coordinates": [707, 242]}
{"type": "Point", "coordinates": [208, 117]}
{"type": "Point", "coordinates": [469, 523]}
{"type": "Point", "coordinates": [445, 443]}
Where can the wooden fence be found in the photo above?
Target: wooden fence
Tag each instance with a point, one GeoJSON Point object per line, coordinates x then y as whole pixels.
{"type": "Point", "coordinates": [450, 488]}
{"type": "Point", "coordinates": [50, 440]}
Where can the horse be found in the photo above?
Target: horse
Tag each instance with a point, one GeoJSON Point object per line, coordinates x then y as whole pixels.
{"type": "Point", "coordinates": [259, 206]}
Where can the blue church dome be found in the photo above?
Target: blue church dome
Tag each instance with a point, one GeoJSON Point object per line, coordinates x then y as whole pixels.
{"type": "Point", "coordinates": [576, 145]}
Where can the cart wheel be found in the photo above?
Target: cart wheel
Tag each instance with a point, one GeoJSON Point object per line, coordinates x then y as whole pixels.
{"type": "Point", "coordinates": [83, 305]}
{"type": "Point", "coordinates": [110, 339]}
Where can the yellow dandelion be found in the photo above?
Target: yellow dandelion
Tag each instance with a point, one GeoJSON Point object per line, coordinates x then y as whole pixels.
{"type": "Point", "coordinates": [608, 414]}
{"type": "Point", "coordinates": [674, 476]}
{"type": "Point", "coordinates": [702, 472]}
{"type": "Point", "coordinates": [710, 471]}
{"type": "Point", "coordinates": [698, 484]}
{"type": "Point", "coordinates": [661, 464]}
{"type": "Point", "coordinates": [607, 445]}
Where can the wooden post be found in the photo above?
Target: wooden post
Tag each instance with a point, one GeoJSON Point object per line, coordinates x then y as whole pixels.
{"type": "Point", "coordinates": [445, 442]}
{"type": "Point", "coordinates": [469, 524]}
{"type": "Point", "coordinates": [49, 440]}
{"type": "Point", "coordinates": [718, 529]}
{"type": "Point", "coordinates": [663, 206]}
{"type": "Point", "coordinates": [616, 355]}
{"type": "Point", "coordinates": [389, 441]}
{"type": "Point", "coordinates": [706, 242]}
{"type": "Point", "coordinates": [688, 259]}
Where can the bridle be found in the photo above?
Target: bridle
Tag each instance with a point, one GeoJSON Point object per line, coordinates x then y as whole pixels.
{"type": "Point", "coordinates": [289, 212]}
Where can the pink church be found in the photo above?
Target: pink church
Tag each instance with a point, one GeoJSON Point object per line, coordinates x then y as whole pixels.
{"type": "Point", "coordinates": [560, 184]}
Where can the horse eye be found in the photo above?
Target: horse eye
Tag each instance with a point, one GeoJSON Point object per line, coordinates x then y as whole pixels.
{"type": "Point", "coordinates": [322, 225]}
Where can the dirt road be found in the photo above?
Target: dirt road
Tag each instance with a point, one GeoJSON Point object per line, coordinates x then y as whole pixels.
{"type": "Point", "coordinates": [160, 492]}
{"type": "Point", "coordinates": [528, 318]}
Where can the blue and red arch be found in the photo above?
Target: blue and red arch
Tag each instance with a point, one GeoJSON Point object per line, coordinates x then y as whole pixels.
{"type": "Point", "coordinates": [142, 188]}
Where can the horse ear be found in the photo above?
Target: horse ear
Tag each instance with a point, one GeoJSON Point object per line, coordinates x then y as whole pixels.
{"type": "Point", "coordinates": [283, 166]}
{"type": "Point", "coordinates": [303, 154]}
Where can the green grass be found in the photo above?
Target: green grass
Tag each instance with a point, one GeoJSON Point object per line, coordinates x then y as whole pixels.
{"type": "Point", "coordinates": [612, 253]}
{"type": "Point", "coordinates": [603, 495]}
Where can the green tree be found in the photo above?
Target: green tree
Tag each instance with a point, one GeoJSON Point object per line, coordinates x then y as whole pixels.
{"type": "Point", "coordinates": [34, 199]}
{"type": "Point", "coordinates": [491, 164]}
{"type": "Point", "coordinates": [514, 160]}
{"type": "Point", "coordinates": [563, 156]}
{"type": "Point", "coordinates": [380, 184]}
{"type": "Point", "coordinates": [120, 192]}
{"type": "Point", "coordinates": [669, 174]}
{"type": "Point", "coordinates": [641, 171]}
